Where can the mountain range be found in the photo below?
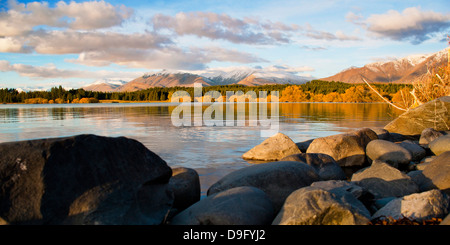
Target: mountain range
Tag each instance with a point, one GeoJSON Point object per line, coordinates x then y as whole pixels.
{"type": "Point", "coordinates": [401, 70]}
{"type": "Point", "coordinates": [242, 76]}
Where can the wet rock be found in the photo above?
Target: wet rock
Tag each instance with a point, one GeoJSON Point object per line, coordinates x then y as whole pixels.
{"type": "Point", "coordinates": [389, 152]}
{"type": "Point", "coordinates": [326, 167]}
{"type": "Point", "coordinates": [85, 179]}
{"type": "Point", "coordinates": [276, 179]}
{"type": "Point", "coordinates": [272, 149]}
{"type": "Point", "coordinates": [383, 180]}
{"type": "Point", "coordinates": [419, 206]}
{"type": "Point", "coordinates": [346, 149]}
{"type": "Point", "coordinates": [236, 206]}
{"type": "Point", "coordinates": [316, 206]}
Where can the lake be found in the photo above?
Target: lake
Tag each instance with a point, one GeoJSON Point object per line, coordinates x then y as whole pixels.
{"type": "Point", "coordinates": [212, 151]}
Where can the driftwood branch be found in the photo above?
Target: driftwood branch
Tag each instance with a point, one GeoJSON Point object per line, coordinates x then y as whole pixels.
{"type": "Point", "coordinates": [387, 101]}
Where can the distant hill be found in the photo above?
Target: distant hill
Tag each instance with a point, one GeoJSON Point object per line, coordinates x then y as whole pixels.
{"type": "Point", "coordinates": [404, 70]}
{"type": "Point", "coordinates": [244, 76]}
{"type": "Point", "coordinates": [104, 86]}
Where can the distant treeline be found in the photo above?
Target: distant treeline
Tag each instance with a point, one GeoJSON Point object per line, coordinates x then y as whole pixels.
{"type": "Point", "coordinates": [304, 92]}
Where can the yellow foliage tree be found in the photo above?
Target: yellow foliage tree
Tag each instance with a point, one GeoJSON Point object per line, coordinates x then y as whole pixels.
{"type": "Point", "coordinates": [332, 97]}
{"type": "Point", "coordinates": [294, 94]}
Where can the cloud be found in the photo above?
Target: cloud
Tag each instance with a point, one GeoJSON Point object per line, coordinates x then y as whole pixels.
{"type": "Point", "coordinates": [222, 26]}
{"type": "Point", "coordinates": [22, 18]}
{"type": "Point", "coordinates": [72, 42]}
{"type": "Point", "coordinates": [357, 19]}
{"type": "Point", "coordinates": [289, 69]}
{"type": "Point", "coordinates": [12, 45]}
{"type": "Point", "coordinates": [170, 57]}
{"type": "Point", "coordinates": [51, 71]}
{"type": "Point", "coordinates": [412, 24]}
{"type": "Point", "coordinates": [309, 31]}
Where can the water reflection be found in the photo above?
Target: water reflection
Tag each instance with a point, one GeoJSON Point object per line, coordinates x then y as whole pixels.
{"type": "Point", "coordinates": [212, 151]}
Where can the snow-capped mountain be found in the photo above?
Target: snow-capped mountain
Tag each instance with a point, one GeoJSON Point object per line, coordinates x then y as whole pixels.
{"type": "Point", "coordinates": [168, 78]}
{"type": "Point", "coordinates": [402, 70]}
{"type": "Point", "coordinates": [105, 85]}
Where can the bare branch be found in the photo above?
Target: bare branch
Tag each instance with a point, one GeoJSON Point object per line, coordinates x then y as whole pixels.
{"type": "Point", "coordinates": [387, 101]}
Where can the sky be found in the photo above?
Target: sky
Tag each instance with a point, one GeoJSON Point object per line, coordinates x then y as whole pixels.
{"type": "Point", "coordinates": [75, 43]}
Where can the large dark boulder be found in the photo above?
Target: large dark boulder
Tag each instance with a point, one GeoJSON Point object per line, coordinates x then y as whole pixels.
{"type": "Point", "coordinates": [326, 166]}
{"type": "Point", "coordinates": [433, 114]}
{"type": "Point", "coordinates": [276, 179]}
{"type": "Point", "coordinates": [185, 184]}
{"type": "Point", "coordinates": [237, 206]}
{"type": "Point", "coordinates": [85, 179]}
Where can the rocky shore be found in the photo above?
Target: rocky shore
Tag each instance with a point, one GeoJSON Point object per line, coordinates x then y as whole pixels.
{"type": "Point", "coordinates": [401, 171]}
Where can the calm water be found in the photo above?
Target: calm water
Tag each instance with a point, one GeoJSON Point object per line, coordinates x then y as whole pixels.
{"type": "Point", "coordinates": [212, 151]}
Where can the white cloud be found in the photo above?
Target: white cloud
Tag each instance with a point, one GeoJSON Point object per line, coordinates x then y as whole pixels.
{"type": "Point", "coordinates": [309, 31]}
{"type": "Point", "coordinates": [412, 24]}
{"type": "Point", "coordinates": [22, 18]}
{"type": "Point", "coordinates": [222, 26]}
{"type": "Point", "coordinates": [12, 45]}
{"type": "Point", "coordinates": [289, 69]}
{"type": "Point", "coordinates": [51, 71]}
{"type": "Point", "coordinates": [170, 57]}
{"type": "Point", "coordinates": [73, 42]}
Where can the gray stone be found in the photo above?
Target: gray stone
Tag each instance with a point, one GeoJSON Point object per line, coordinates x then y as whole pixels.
{"type": "Point", "coordinates": [346, 149]}
{"type": "Point", "coordinates": [440, 145]}
{"type": "Point", "coordinates": [421, 181]}
{"type": "Point", "coordinates": [419, 206]}
{"type": "Point", "coordinates": [316, 206]}
{"type": "Point", "coordinates": [382, 133]}
{"type": "Point", "coordinates": [272, 149]}
{"type": "Point", "coordinates": [326, 166]}
{"type": "Point", "coordinates": [433, 114]}
{"type": "Point", "coordinates": [276, 179]}
{"type": "Point", "coordinates": [85, 179]}
{"type": "Point", "coordinates": [237, 206]}
{"type": "Point", "coordinates": [341, 185]}
{"type": "Point", "coordinates": [379, 203]}
{"type": "Point", "coordinates": [303, 146]}
{"type": "Point", "coordinates": [437, 174]}
{"type": "Point", "coordinates": [417, 152]}
{"type": "Point", "coordinates": [383, 180]}
{"type": "Point", "coordinates": [428, 135]}
{"type": "Point", "coordinates": [388, 152]}
{"type": "Point", "coordinates": [329, 185]}
{"type": "Point", "coordinates": [185, 184]}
